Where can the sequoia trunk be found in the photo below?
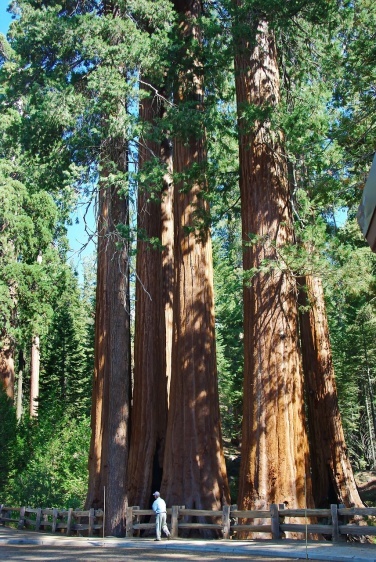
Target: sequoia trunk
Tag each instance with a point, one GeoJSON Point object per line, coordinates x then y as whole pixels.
{"type": "Point", "coordinates": [108, 456]}
{"type": "Point", "coordinates": [332, 475]}
{"type": "Point", "coordinates": [194, 468]}
{"type": "Point", "coordinates": [149, 411]}
{"type": "Point", "coordinates": [274, 454]}
{"type": "Point", "coordinates": [7, 371]}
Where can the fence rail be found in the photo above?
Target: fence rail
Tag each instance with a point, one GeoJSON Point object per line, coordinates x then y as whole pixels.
{"type": "Point", "coordinates": [54, 520]}
{"type": "Point", "coordinates": [277, 521]}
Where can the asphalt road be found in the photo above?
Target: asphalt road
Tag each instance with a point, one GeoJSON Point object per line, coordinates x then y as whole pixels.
{"type": "Point", "coordinates": [37, 553]}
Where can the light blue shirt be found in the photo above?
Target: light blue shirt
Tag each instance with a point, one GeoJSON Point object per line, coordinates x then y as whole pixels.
{"type": "Point", "coordinates": [159, 506]}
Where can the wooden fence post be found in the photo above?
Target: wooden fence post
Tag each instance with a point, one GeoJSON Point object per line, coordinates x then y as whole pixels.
{"type": "Point", "coordinates": [234, 508]}
{"type": "Point", "coordinates": [274, 516]}
{"type": "Point", "coordinates": [334, 512]}
{"type": "Point", "coordinates": [226, 521]}
{"type": "Point", "coordinates": [44, 520]}
{"type": "Point", "coordinates": [21, 521]}
{"type": "Point", "coordinates": [174, 521]}
{"type": "Point", "coordinates": [54, 520]}
{"type": "Point", "coordinates": [38, 518]}
{"type": "Point", "coordinates": [136, 519]}
{"type": "Point", "coordinates": [129, 522]}
{"type": "Point", "coordinates": [91, 523]}
{"type": "Point", "coordinates": [342, 520]}
{"type": "Point", "coordinates": [281, 508]}
{"type": "Point", "coordinates": [69, 521]}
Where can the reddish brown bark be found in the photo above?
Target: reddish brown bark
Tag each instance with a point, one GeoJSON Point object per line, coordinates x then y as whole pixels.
{"type": "Point", "coordinates": [108, 456]}
{"type": "Point", "coordinates": [7, 371]}
{"type": "Point", "coordinates": [332, 476]}
{"type": "Point", "coordinates": [167, 208]}
{"type": "Point", "coordinates": [194, 468]}
{"type": "Point", "coordinates": [149, 411]}
{"type": "Point", "coordinates": [275, 462]}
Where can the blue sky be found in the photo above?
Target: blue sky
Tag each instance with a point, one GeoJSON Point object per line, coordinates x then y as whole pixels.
{"type": "Point", "coordinates": [5, 17]}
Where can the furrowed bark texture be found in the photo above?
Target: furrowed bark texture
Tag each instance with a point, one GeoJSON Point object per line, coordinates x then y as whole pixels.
{"type": "Point", "coordinates": [108, 456]}
{"type": "Point", "coordinates": [149, 410]}
{"type": "Point", "coordinates": [274, 455]}
{"type": "Point", "coordinates": [194, 468]}
{"type": "Point", "coordinates": [332, 476]}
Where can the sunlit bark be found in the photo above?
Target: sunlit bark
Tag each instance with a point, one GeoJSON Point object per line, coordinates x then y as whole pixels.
{"type": "Point", "coordinates": [275, 462]}
{"type": "Point", "coordinates": [34, 376]}
{"type": "Point", "coordinates": [149, 410]}
{"type": "Point", "coordinates": [194, 468]}
{"type": "Point", "coordinates": [167, 207]}
{"type": "Point", "coordinates": [7, 371]}
{"type": "Point", "coordinates": [108, 456]}
{"type": "Point", "coordinates": [332, 476]}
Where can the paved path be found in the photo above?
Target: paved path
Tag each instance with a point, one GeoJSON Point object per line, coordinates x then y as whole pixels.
{"type": "Point", "coordinates": [28, 553]}
{"type": "Point", "coordinates": [27, 546]}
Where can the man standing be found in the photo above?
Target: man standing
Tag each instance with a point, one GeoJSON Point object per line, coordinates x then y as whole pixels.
{"type": "Point", "coordinates": [159, 508]}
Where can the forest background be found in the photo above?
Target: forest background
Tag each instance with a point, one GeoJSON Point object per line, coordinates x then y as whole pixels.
{"type": "Point", "coordinates": [327, 113]}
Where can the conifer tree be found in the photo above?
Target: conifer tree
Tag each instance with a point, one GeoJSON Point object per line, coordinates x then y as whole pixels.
{"type": "Point", "coordinates": [194, 469]}
{"type": "Point", "coordinates": [275, 459]}
{"type": "Point", "coordinates": [150, 377]}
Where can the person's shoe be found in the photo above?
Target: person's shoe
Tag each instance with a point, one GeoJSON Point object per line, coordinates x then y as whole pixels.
{"type": "Point", "coordinates": [157, 539]}
{"type": "Point", "coordinates": [168, 537]}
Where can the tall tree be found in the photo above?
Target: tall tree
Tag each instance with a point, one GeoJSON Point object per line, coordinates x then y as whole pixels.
{"type": "Point", "coordinates": [149, 413]}
{"type": "Point", "coordinates": [79, 124]}
{"type": "Point", "coordinates": [194, 469]}
{"type": "Point", "coordinates": [317, 193]}
{"type": "Point", "coordinates": [109, 446]}
{"type": "Point", "coordinates": [67, 351]}
{"type": "Point", "coordinates": [108, 455]}
{"type": "Point", "coordinates": [332, 476]}
{"type": "Point", "coordinates": [275, 462]}
{"type": "Point", "coordinates": [150, 388]}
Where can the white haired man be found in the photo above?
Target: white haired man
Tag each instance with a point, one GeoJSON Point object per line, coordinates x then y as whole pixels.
{"type": "Point", "coordinates": [159, 508]}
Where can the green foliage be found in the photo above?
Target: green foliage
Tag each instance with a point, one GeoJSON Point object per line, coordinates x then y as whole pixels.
{"type": "Point", "coordinates": [67, 351]}
{"type": "Point", "coordinates": [8, 439]}
{"type": "Point", "coordinates": [49, 464]}
{"type": "Point", "coordinates": [228, 281]}
{"type": "Point", "coordinates": [352, 316]}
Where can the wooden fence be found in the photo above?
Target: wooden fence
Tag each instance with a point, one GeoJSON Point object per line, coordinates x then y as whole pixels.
{"type": "Point", "coordinates": [66, 521]}
{"type": "Point", "coordinates": [336, 522]}
{"type": "Point", "coordinates": [276, 521]}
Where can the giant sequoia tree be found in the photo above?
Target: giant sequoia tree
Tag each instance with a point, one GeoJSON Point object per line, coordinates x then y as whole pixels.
{"type": "Point", "coordinates": [149, 414]}
{"type": "Point", "coordinates": [111, 388]}
{"type": "Point", "coordinates": [108, 462]}
{"type": "Point", "coordinates": [76, 75]}
{"type": "Point", "coordinates": [274, 441]}
{"type": "Point", "coordinates": [194, 469]}
{"type": "Point", "coordinates": [332, 475]}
